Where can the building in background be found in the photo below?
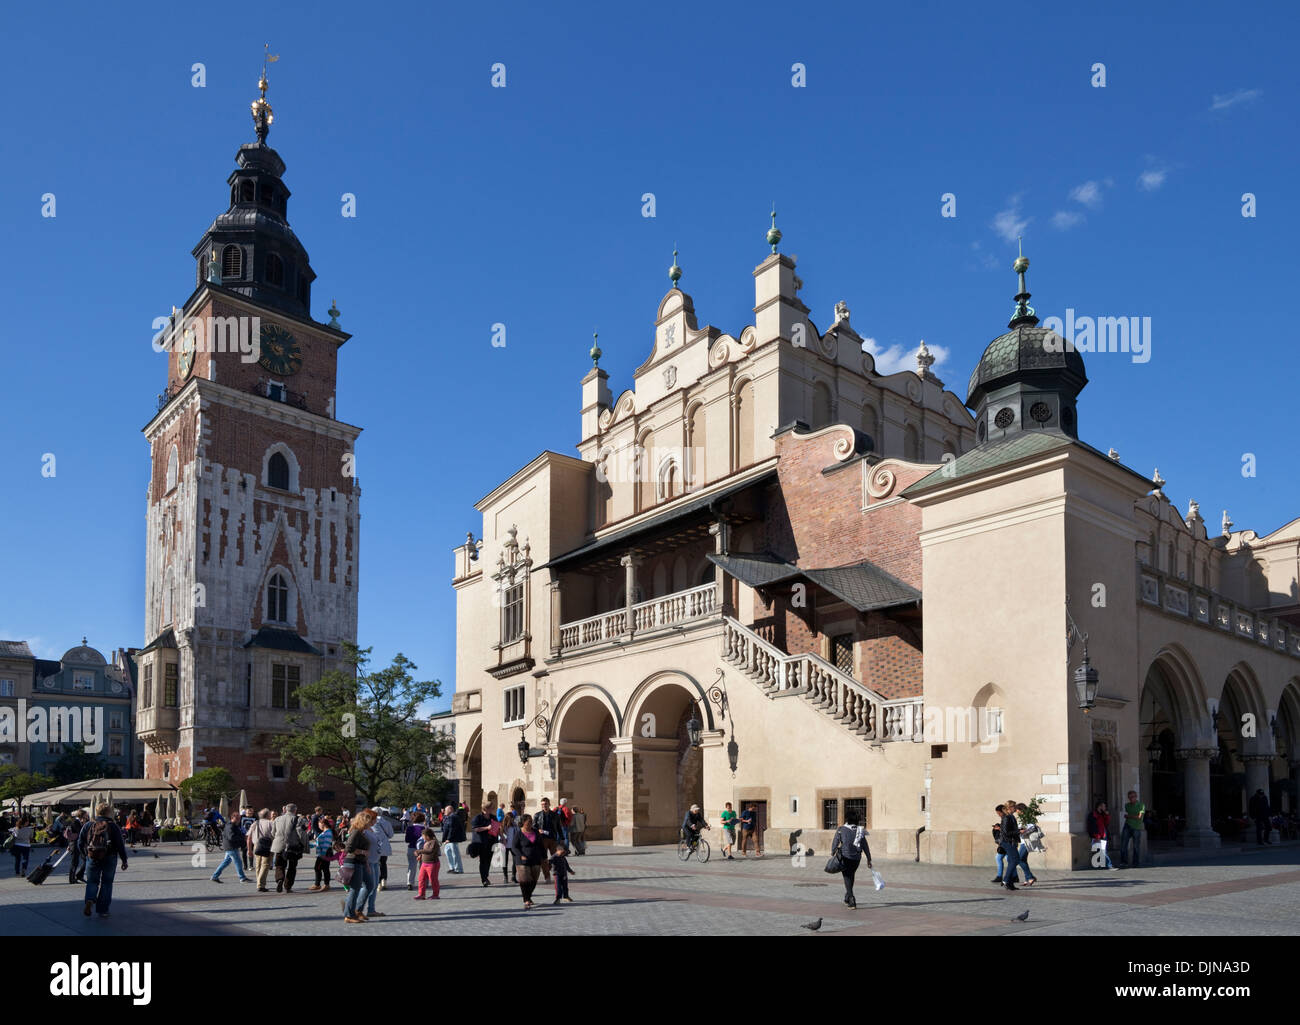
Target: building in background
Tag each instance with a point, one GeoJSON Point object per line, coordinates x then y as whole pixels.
{"type": "Point", "coordinates": [83, 678]}
{"type": "Point", "coordinates": [17, 674]}
{"type": "Point", "coordinates": [444, 724]}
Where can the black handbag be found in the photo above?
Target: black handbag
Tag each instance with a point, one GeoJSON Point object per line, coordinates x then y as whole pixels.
{"type": "Point", "coordinates": [473, 849]}
{"type": "Point", "coordinates": [834, 864]}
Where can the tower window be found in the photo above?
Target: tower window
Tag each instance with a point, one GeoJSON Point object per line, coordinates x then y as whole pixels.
{"type": "Point", "coordinates": [277, 471]}
{"type": "Point", "coordinates": [277, 599]}
{"type": "Point", "coordinates": [232, 262]}
{"type": "Point", "coordinates": [274, 270]}
{"type": "Point", "coordinates": [268, 195]}
{"type": "Point", "coordinates": [171, 686]}
{"type": "Point", "coordinates": [246, 191]}
{"type": "Point", "coordinates": [302, 289]}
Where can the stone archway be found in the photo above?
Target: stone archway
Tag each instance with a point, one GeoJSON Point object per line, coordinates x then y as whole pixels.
{"type": "Point", "coordinates": [586, 769]}
{"type": "Point", "coordinates": [472, 770]}
{"type": "Point", "coordinates": [1286, 739]}
{"type": "Point", "coordinates": [1175, 715]}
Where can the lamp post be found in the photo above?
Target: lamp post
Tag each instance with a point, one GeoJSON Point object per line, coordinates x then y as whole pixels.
{"type": "Point", "coordinates": [541, 722]}
{"type": "Point", "coordinates": [1086, 677]}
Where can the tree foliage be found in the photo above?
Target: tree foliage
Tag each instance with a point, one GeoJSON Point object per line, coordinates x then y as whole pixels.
{"type": "Point", "coordinates": [363, 729]}
{"type": "Point", "coordinates": [209, 785]}
{"type": "Point", "coordinates": [15, 782]}
{"type": "Point", "coordinates": [75, 765]}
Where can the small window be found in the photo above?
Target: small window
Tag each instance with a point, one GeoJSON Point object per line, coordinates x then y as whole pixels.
{"type": "Point", "coordinates": [232, 262]}
{"type": "Point", "coordinates": [246, 191]}
{"type": "Point", "coordinates": [856, 804]}
{"type": "Point", "coordinates": [171, 686]}
{"type": "Point", "coordinates": [512, 614]}
{"type": "Point", "coordinates": [275, 392]}
{"type": "Point", "coordinates": [514, 705]}
{"type": "Point", "coordinates": [173, 468]}
{"type": "Point", "coordinates": [248, 685]}
{"type": "Point", "coordinates": [83, 681]}
{"type": "Point", "coordinates": [6, 688]}
{"type": "Point", "coordinates": [147, 688]}
{"type": "Point", "coordinates": [277, 599]}
{"type": "Point", "coordinates": [284, 686]}
{"type": "Point", "coordinates": [993, 722]}
{"type": "Point", "coordinates": [115, 720]}
{"type": "Point", "coordinates": [115, 747]}
{"type": "Point", "coordinates": [277, 772]}
{"type": "Point", "coordinates": [842, 653]}
{"type": "Point", "coordinates": [274, 270]}
{"type": "Point", "coordinates": [277, 471]}
{"type": "Point", "coordinates": [267, 191]}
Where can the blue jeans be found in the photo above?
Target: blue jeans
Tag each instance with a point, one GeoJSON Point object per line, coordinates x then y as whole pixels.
{"type": "Point", "coordinates": [231, 858]}
{"type": "Point", "coordinates": [1126, 834]}
{"type": "Point", "coordinates": [453, 858]}
{"type": "Point", "coordinates": [99, 882]}
{"type": "Point", "coordinates": [1022, 864]}
{"type": "Point", "coordinates": [372, 889]}
{"type": "Point", "coordinates": [1106, 851]}
{"type": "Point", "coordinates": [412, 867]}
{"type": "Point", "coordinates": [359, 888]}
{"type": "Point", "coordinates": [21, 853]}
{"type": "Point", "coordinates": [1013, 861]}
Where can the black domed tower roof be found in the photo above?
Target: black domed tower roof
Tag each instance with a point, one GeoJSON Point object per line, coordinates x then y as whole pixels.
{"type": "Point", "coordinates": [250, 248]}
{"type": "Point", "coordinates": [1028, 379]}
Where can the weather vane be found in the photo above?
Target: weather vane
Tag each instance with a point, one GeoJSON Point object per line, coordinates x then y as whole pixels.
{"type": "Point", "coordinates": [262, 116]}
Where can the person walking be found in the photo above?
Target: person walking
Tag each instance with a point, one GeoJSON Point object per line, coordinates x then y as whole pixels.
{"type": "Point", "coordinates": [560, 872]}
{"type": "Point", "coordinates": [102, 848]}
{"type": "Point", "coordinates": [77, 863]}
{"type": "Point", "coordinates": [728, 819]}
{"type": "Point", "coordinates": [578, 832]}
{"type": "Point", "coordinates": [324, 848]}
{"type": "Point", "coordinates": [1262, 812]}
{"type": "Point", "coordinates": [1010, 843]}
{"type": "Point", "coordinates": [1099, 829]}
{"type": "Point", "coordinates": [508, 831]}
{"type": "Point", "coordinates": [453, 835]}
{"type": "Point", "coordinates": [414, 835]}
{"type": "Point", "coordinates": [1029, 831]}
{"type": "Point", "coordinates": [357, 854]}
{"type": "Point", "coordinates": [483, 829]}
{"type": "Point", "coordinates": [246, 822]}
{"type": "Point", "coordinates": [260, 838]}
{"type": "Point", "coordinates": [547, 824]}
{"type": "Point", "coordinates": [372, 864]}
{"type": "Point", "coordinates": [529, 852]}
{"type": "Point", "coordinates": [1134, 826]}
{"type": "Point", "coordinates": [566, 820]}
{"type": "Point", "coordinates": [22, 848]}
{"type": "Point", "coordinates": [233, 843]}
{"type": "Point", "coordinates": [850, 842]}
{"type": "Point", "coordinates": [384, 834]}
{"type": "Point", "coordinates": [749, 833]}
{"type": "Point", "coordinates": [428, 854]}
{"type": "Point", "coordinates": [288, 844]}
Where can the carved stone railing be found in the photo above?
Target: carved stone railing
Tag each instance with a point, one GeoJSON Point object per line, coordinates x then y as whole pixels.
{"type": "Point", "coordinates": [647, 616]}
{"type": "Point", "coordinates": [826, 687]}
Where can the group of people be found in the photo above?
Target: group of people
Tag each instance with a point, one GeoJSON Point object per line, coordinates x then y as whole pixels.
{"type": "Point", "coordinates": [750, 835]}
{"type": "Point", "coordinates": [93, 847]}
{"type": "Point", "coordinates": [1015, 835]}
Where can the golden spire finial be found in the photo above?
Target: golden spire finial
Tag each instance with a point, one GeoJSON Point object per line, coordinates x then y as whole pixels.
{"type": "Point", "coordinates": [262, 116]}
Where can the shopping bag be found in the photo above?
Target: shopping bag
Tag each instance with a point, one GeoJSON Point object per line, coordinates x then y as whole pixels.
{"type": "Point", "coordinates": [878, 879]}
{"type": "Point", "coordinates": [498, 856]}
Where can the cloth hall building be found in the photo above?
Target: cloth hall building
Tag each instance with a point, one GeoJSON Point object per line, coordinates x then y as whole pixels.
{"type": "Point", "coordinates": [774, 575]}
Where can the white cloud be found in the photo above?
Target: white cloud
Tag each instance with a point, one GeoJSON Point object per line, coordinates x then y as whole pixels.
{"type": "Point", "coordinates": [1152, 178]}
{"type": "Point", "coordinates": [896, 358]}
{"type": "Point", "coordinates": [1225, 100]}
{"type": "Point", "coordinates": [1089, 194]}
{"type": "Point", "coordinates": [987, 260]}
{"type": "Point", "coordinates": [1010, 223]}
{"type": "Point", "coordinates": [1064, 220]}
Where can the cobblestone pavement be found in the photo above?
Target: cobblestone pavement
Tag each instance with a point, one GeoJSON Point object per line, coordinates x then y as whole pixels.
{"type": "Point", "coordinates": [648, 891]}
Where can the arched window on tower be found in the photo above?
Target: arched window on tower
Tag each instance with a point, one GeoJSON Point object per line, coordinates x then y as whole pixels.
{"type": "Point", "coordinates": [822, 406]}
{"type": "Point", "coordinates": [277, 599]}
{"type": "Point", "coordinates": [267, 194]}
{"type": "Point", "coordinates": [232, 262]}
{"type": "Point", "coordinates": [246, 191]}
{"type": "Point", "coordinates": [277, 471]}
{"type": "Point", "coordinates": [274, 270]}
{"type": "Point", "coordinates": [911, 444]}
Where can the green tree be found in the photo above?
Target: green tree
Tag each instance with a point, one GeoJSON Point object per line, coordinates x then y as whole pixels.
{"type": "Point", "coordinates": [209, 785]}
{"type": "Point", "coordinates": [14, 782]}
{"type": "Point", "coordinates": [363, 729]}
{"type": "Point", "coordinates": [75, 765]}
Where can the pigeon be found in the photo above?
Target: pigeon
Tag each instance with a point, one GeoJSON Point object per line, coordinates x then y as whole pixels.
{"type": "Point", "coordinates": [1022, 917]}
{"type": "Point", "coordinates": [812, 926]}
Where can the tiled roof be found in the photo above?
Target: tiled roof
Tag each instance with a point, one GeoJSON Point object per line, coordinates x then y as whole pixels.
{"type": "Point", "coordinates": [15, 649]}
{"type": "Point", "coordinates": [755, 570]}
{"type": "Point", "coordinates": [865, 586]}
{"type": "Point", "coordinates": [281, 640]}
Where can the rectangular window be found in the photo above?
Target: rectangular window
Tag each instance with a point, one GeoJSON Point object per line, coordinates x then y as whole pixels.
{"type": "Point", "coordinates": [512, 614]}
{"type": "Point", "coordinates": [53, 749]}
{"type": "Point", "coordinates": [171, 686]}
{"type": "Point", "coordinates": [284, 686]}
{"type": "Point", "coordinates": [992, 722]}
{"type": "Point", "coordinates": [148, 685]}
{"type": "Point", "coordinates": [514, 705]}
{"type": "Point", "coordinates": [830, 813]}
{"type": "Point", "coordinates": [277, 772]}
{"type": "Point", "coordinates": [115, 747]}
{"type": "Point", "coordinates": [842, 653]}
{"type": "Point", "coordinates": [114, 720]}
{"type": "Point", "coordinates": [856, 804]}
{"type": "Point", "coordinates": [83, 681]}
{"type": "Point", "coordinates": [248, 685]}
{"type": "Point", "coordinates": [275, 392]}
{"type": "Point", "coordinates": [6, 688]}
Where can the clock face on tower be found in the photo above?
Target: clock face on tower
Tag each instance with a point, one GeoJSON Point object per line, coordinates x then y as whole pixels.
{"type": "Point", "coordinates": [280, 352]}
{"type": "Point", "coordinates": [185, 357]}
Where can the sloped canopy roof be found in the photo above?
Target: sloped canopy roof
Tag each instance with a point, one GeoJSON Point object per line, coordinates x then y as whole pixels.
{"type": "Point", "coordinates": [862, 585]}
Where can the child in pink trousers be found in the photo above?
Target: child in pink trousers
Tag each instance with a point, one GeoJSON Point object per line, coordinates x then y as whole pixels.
{"type": "Point", "coordinates": [427, 851]}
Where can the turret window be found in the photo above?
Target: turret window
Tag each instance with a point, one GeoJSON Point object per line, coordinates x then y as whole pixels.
{"type": "Point", "coordinates": [246, 191]}
{"type": "Point", "coordinates": [232, 262]}
{"type": "Point", "coordinates": [268, 195]}
{"type": "Point", "coordinates": [277, 599]}
{"type": "Point", "coordinates": [274, 270]}
{"type": "Point", "coordinates": [277, 471]}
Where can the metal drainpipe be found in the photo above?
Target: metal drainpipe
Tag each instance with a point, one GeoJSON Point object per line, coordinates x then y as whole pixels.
{"type": "Point", "coordinates": [918, 842]}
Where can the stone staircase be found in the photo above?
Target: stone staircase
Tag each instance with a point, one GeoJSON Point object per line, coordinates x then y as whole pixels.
{"type": "Point", "coordinates": [834, 693]}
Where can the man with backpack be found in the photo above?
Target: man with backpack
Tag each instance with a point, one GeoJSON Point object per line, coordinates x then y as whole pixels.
{"type": "Point", "coordinates": [288, 842]}
{"type": "Point", "coordinates": [100, 843]}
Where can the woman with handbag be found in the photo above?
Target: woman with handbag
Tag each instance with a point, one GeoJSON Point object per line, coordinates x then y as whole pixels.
{"type": "Point", "coordinates": [529, 850]}
{"type": "Point", "coordinates": [259, 841]}
{"type": "Point", "coordinates": [850, 846]}
{"type": "Point", "coordinates": [483, 830]}
{"type": "Point", "coordinates": [358, 880]}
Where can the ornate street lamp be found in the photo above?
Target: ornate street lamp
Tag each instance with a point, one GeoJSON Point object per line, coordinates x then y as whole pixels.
{"type": "Point", "coordinates": [1085, 677]}
{"type": "Point", "coordinates": [693, 730]}
{"type": "Point", "coordinates": [540, 721]}
{"type": "Point", "coordinates": [1154, 751]}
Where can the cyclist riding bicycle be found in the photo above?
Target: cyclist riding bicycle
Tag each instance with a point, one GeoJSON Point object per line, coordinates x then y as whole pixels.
{"type": "Point", "coordinates": [212, 823]}
{"type": "Point", "coordinates": [693, 824]}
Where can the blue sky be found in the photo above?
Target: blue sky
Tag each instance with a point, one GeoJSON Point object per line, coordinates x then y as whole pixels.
{"type": "Point", "coordinates": [522, 205]}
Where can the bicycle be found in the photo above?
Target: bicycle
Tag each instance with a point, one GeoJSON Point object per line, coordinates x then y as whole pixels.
{"type": "Point", "coordinates": [209, 834]}
{"type": "Point", "coordinates": [696, 845]}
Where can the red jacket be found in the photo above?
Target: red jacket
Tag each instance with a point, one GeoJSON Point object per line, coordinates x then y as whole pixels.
{"type": "Point", "coordinates": [1099, 825]}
